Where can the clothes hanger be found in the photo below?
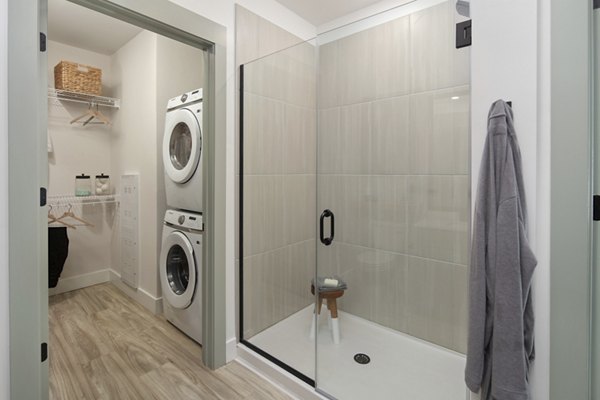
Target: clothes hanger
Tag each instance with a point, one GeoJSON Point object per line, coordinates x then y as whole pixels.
{"type": "Point", "coordinates": [90, 113]}
{"type": "Point", "coordinates": [70, 214]}
{"type": "Point", "coordinates": [52, 218]}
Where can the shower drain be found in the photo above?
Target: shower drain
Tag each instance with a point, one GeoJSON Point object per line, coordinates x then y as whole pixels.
{"type": "Point", "coordinates": [362, 358]}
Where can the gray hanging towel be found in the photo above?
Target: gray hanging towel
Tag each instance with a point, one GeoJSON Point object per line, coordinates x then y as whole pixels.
{"type": "Point", "coordinates": [500, 345]}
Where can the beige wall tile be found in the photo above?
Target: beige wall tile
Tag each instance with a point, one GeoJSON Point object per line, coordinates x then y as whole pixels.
{"type": "Point", "coordinates": [435, 61]}
{"type": "Point", "coordinates": [272, 39]}
{"type": "Point", "coordinates": [353, 149]}
{"type": "Point", "coordinates": [355, 69]}
{"type": "Point", "coordinates": [276, 285]}
{"type": "Point", "coordinates": [387, 224]}
{"type": "Point", "coordinates": [438, 217]}
{"type": "Point", "coordinates": [390, 43]}
{"type": "Point", "coordinates": [439, 132]}
{"type": "Point", "coordinates": [263, 214]}
{"type": "Point", "coordinates": [302, 262]}
{"type": "Point", "coordinates": [329, 79]}
{"type": "Point", "coordinates": [328, 137]}
{"type": "Point", "coordinates": [299, 140]}
{"type": "Point", "coordinates": [263, 135]}
{"type": "Point", "coordinates": [437, 302]}
{"type": "Point", "coordinates": [301, 82]}
{"type": "Point", "coordinates": [263, 289]}
{"type": "Point", "coordinates": [246, 35]}
{"type": "Point", "coordinates": [389, 136]}
{"type": "Point", "coordinates": [299, 207]}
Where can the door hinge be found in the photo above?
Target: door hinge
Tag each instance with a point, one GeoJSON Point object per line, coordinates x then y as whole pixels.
{"type": "Point", "coordinates": [43, 196]}
{"type": "Point", "coordinates": [463, 34]}
{"type": "Point", "coordinates": [44, 351]}
{"type": "Point", "coordinates": [596, 208]}
{"type": "Point", "coordinates": [42, 42]}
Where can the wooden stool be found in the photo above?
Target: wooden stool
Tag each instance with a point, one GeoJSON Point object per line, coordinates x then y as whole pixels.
{"type": "Point", "coordinates": [331, 297]}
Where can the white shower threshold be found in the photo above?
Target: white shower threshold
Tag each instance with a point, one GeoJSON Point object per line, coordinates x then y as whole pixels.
{"type": "Point", "coordinates": [402, 367]}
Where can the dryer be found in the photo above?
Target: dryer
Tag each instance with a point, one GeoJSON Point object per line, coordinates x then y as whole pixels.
{"type": "Point", "coordinates": [182, 152]}
{"type": "Point", "coordinates": [181, 271]}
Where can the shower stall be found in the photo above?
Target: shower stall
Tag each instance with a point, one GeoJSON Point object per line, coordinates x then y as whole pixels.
{"type": "Point", "coordinates": [355, 167]}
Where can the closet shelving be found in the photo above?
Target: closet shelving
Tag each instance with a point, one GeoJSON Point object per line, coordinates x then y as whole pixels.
{"type": "Point", "coordinates": [70, 200]}
{"type": "Point", "coordinates": [60, 95]}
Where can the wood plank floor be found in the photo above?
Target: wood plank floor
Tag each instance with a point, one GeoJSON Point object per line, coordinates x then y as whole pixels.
{"type": "Point", "coordinates": [103, 345]}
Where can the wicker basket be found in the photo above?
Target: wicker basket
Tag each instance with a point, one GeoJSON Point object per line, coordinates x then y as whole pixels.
{"type": "Point", "coordinates": [78, 78]}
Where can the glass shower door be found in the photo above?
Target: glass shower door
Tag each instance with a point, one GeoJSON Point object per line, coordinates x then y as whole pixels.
{"type": "Point", "coordinates": [278, 196]}
{"type": "Point", "coordinates": [393, 201]}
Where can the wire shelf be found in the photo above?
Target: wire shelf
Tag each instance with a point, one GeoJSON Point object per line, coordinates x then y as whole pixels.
{"type": "Point", "coordinates": [57, 94]}
{"type": "Point", "coordinates": [70, 200]}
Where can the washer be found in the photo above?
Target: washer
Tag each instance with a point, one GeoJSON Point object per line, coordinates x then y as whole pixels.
{"type": "Point", "coordinates": [182, 152]}
{"type": "Point", "coordinates": [181, 272]}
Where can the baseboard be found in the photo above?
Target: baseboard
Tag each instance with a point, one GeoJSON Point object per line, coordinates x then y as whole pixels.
{"type": "Point", "coordinates": [153, 304]}
{"type": "Point", "coordinates": [80, 281]}
{"type": "Point", "coordinates": [231, 349]}
{"type": "Point", "coordinates": [280, 378]}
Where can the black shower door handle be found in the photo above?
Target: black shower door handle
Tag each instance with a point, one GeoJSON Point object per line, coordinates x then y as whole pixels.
{"type": "Point", "coordinates": [326, 214]}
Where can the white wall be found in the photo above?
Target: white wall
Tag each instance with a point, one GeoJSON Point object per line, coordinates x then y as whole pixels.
{"type": "Point", "coordinates": [510, 60]}
{"type": "Point", "coordinates": [223, 12]}
{"type": "Point", "coordinates": [134, 147]}
{"type": "Point", "coordinates": [4, 298]}
{"type": "Point", "coordinates": [80, 149]}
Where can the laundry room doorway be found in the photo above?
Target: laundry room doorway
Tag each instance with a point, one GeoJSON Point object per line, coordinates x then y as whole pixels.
{"type": "Point", "coordinates": [86, 204]}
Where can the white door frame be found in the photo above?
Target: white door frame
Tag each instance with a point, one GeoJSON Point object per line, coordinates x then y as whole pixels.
{"type": "Point", "coordinates": [28, 163]}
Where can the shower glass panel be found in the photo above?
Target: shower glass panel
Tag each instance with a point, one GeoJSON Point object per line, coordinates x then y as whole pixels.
{"type": "Point", "coordinates": [355, 202]}
{"type": "Point", "coordinates": [393, 104]}
{"type": "Point", "coordinates": [278, 205]}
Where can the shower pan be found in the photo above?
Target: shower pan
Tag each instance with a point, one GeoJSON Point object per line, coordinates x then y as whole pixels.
{"type": "Point", "coordinates": [355, 202]}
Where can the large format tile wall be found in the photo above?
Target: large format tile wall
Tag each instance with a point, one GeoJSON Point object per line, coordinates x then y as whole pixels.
{"type": "Point", "coordinates": [394, 168]}
{"type": "Point", "coordinates": [279, 194]}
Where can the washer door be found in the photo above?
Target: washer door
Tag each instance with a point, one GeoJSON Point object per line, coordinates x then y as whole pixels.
{"type": "Point", "coordinates": [178, 270]}
{"type": "Point", "coordinates": [182, 145]}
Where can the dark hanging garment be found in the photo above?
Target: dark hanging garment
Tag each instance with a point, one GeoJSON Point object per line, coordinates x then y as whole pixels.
{"type": "Point", "coordinates": [58, 249]}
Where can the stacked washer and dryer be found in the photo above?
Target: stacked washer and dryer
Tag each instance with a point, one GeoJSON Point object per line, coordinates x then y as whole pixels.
{"type": "Point", "coordinates": [181, 252]}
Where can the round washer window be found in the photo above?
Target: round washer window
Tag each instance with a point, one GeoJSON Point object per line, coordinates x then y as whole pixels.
{"type": "Point", "coordinates": [178, 270]}
{"type": "Point", "coordinates": [180, 145]}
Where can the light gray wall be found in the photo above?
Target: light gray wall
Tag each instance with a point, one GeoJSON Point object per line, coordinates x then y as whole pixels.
{"type": "Point", "coordinates": [394, 168]}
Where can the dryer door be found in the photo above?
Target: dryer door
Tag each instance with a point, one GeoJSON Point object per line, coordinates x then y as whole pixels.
{"type": "Point", "coordinates": [182, 145]}
{"type": "Point", "coordinates": [178, 270]}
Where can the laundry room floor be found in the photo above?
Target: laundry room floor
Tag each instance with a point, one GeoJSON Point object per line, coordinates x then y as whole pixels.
{"type": "Point", "coordinates": [103, 345]}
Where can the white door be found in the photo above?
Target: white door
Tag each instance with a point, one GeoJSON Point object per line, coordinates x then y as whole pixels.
{"type": "Point", "coordinates": [178, 270]}
{"type": "Point", "coordinates": [182, 145]}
